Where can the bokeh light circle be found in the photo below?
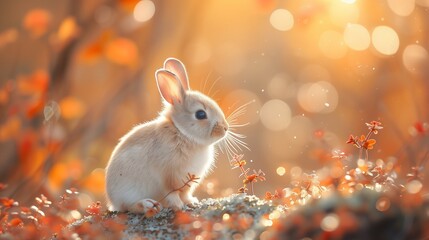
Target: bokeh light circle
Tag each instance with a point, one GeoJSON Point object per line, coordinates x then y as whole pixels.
{"type": "Point", "coordinates": [280, 171]}
{"type": "Point", "coordinates": [275, 115]}
{"type": "Point", "coordinates": [330, 222]}
{"type": "Point", "coordinates": [414, 186]}
{"type": "Point", "coordinates": [144, 10]}
{"type": "Point", "coordinates": [282, 19]}
{"type": "Point", "coordinates": [402, 7]}
{"type": "Point", "coordinates": [281, 86]}
{"type": "Point", "coordinates": [356, 37]}
{"type": "Point", "coordinates": [319, 97]}
{"type": "Point", "coordinates": [385, 40]}
{"type": "Point", "coordinates": [415, 58]}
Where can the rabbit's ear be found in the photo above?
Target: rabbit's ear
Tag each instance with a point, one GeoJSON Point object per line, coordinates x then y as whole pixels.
{"type": "Point", "coordinates": [177, 67]}
{"type": "Point", "coordinates": [169, 86]}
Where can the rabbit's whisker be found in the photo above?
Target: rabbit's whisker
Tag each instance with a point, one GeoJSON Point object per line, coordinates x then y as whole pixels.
{"type": "Point", "coordinates": [232, 143]}
{"type": "Point", "coordinates": [214, 83]}
{"type": "Point", "coordinates": [205, 82]}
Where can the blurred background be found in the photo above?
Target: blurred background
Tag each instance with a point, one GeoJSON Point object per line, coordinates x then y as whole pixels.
{"type": "Point", "coordinates": [76, 75]}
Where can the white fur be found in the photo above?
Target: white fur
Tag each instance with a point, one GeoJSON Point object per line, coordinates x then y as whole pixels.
{"type": "Point", "coordinates": [156, 157]}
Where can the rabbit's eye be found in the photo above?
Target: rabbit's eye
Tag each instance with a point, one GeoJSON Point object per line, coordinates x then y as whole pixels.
{"type": "Point", "coordinates": [200, 114]}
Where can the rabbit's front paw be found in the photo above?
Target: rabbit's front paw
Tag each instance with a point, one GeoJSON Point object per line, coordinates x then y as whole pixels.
{"type": "Point", "coordinates": [189, 199]}
{"type": "Point", "coordinates": [174, 201]}
{"type": "Point", "coordinates": [147, 206]}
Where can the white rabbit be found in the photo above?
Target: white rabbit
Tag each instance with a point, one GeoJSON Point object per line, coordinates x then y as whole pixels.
{"type": "Point", "coordinates": [155, 157]}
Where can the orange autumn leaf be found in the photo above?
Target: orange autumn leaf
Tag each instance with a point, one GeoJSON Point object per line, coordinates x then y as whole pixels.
{"type": "Point", "coordinates": [8, 36]}
{"type": "Point", "coordinates": [36, 83]}
{"type": "Point", "coordinates": [26, 146]}
{"type": "Point", "coordinates": [57, 175]}
{"type": "Point", "coordinates": [37, 21]}
{"type": "Point", "coordinates": [68, 29]}
{"type": "Point", "coordinates": [122, 51]}
{"type": "Point", "coordinates": [36, 157]}
{"type": "Point", "coordinates": [95, 182]}
{"type": "Point", "coordinates": [34, 87]}
{"type": "Point", "coordinates": [92, 52]}
{"type": "Point", "coordinates": [65, 171]}
{"type": "Point", "coordinates": [10, 128]}
{"type": "Point", "coordinates": [96, 48]}
{"type": "Point", "coordinates": [35, 107]}
{"type": "Point", "coordinates": [4, 96]}
{"type": "Point", "coordinates": [75, 169]}
{"type": "Point", "coordinates": [72, 108]}
{"type": "Point", "coordinates": [15, 222]}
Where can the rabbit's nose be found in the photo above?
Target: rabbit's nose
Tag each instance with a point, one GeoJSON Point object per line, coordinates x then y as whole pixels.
{"type": "Point", "coordinates": [225, 126]}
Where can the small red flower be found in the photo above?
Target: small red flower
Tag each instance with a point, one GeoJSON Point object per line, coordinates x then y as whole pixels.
{"type": "Point", "coordinates": [260, 175]}
{"type": "Point", "coordinates": [243, 189]}
{"type": "Point", "coordinates": [374, 126]}
{"type": "Point", "coordinates": [94, 208]}
{"type": "Point", "coordinates": [352, 140]}
{"type": "Point", "coordinates": [319, 134]}
{"type": "Point", "coordinates": [338, 154]}
{"type": "Point", "coordinates": [7, 202]}
{"type": "Point", "coordinates": [16, 222]}
{"type": "Point", "coordinates": [273, 196]}
{"type": "Point", "coordinates": [421, 127]}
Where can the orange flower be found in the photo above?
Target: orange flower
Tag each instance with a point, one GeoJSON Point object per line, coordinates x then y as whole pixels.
{"type": "Point", "coordinates": [369, 144]}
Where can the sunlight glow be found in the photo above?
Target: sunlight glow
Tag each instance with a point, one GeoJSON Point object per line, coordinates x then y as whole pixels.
{"type": "Point", "coordinates": [342, 13]}
{"type": "Point", "coordinates": [332, 45]}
